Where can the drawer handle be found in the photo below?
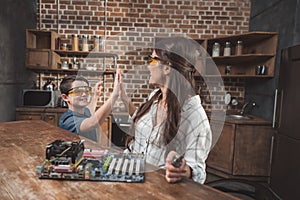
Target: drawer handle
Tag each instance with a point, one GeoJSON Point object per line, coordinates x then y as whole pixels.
{"type": "Point", "coordinates": [275, 108]}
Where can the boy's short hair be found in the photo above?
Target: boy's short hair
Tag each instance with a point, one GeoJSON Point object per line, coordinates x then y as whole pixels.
{"type": "Point", "coordinates": [66, 83]}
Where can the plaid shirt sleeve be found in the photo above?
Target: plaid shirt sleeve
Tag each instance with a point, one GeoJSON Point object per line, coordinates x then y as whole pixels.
{"type": "Point", "coordinates": [195, 131]}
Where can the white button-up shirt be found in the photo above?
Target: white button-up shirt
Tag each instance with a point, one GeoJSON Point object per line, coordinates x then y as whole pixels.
{"type": "Point", "coordinates": [193, 138]}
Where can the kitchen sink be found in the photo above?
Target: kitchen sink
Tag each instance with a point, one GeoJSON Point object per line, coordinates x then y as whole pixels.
{"type": "Point", "coordinates": [235, 116]}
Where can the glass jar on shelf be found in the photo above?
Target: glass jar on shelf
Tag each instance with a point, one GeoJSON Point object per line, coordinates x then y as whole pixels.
{"type": "Point", "coordinates": [216, 49]}
{"type": "Point", "coordinates": [85, 45]}
{"type": "Point", "coordinates": [64, 65]}
{"type": "Point", "coordinates": [64, 47]}
{"type": "Point", "coordinates": [239, 48]}
{"type": "Point", "coordinates": [75, 42]}
{"type": "Point", "coordinates": [97, 43]}
{"type": "Point", "coordinates": [227, 49]}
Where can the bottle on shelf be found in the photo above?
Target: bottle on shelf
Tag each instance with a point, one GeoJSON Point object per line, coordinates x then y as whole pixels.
{"type": "Point", "coordinates": [216, 50]}
{"type": "Point", "coordinates": [227, 69]}
{"type": "Point", "coordinates": [49, 85]}
{"type": "Point", "coordinates": [239, 48]}
{"type": "Point", "coordinates": [75, 42]}
{"type": "Point", "coordinates": [85, 45]}
{"type": "Point", "coordinates": [64, 47]}
{"type": "Point", "coordinates": [97, 43]}
{"type": "Point", "coordinates": [227, 49]}
{"type": "Point", "coordinates": [75, 63]}
{"type": "Point", "coordinates": [64, 65]}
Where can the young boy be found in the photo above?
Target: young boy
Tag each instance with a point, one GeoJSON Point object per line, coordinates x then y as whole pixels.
{"type": "Point", "coordinates": [81, 117]}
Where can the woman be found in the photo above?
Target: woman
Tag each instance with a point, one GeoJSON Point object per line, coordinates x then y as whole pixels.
{"type": "Point", "coordinates": [173, 121]}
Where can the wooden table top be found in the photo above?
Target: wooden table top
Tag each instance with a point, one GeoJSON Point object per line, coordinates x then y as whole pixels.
{"type": "Point", "coordinates": [22, 148]}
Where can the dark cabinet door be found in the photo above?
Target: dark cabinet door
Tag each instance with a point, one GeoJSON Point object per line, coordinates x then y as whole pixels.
{"type": "Point", "coordinates": [252, 152]}
{"type": "Point", "coordinates": [221, 156]}
{"type": "Point", "coordinates": [285, 169]}
{"type": "Point", "coordinates": [288, 111]}
{"type": "Point", "coordinates": [285, 173]}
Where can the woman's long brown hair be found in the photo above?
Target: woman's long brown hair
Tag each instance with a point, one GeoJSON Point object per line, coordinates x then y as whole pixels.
{"type": "Point", "coordinates": [177, 53]}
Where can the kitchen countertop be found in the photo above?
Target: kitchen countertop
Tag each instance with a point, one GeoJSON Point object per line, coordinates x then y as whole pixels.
{"type": "Point", "coordinates": [41, 109]}
{"type": "Point", "coordinates": [254, 120]}
{"type": "Point", "coordinates": [22, 148]}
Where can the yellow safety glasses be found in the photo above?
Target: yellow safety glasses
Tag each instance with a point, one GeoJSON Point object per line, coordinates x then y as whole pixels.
{"type": "Point", "coordinates": [79, 91]}
{"type": "Point", "coordinates": [152, 60]}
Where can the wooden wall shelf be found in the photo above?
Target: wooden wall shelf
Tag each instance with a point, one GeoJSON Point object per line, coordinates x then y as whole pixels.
{"type": "Point", "coordinates": [87, 53]}
{"type": "Point", "coordinates": [73, 71]}
{"type": "Point", "coordinates": [259, 48]}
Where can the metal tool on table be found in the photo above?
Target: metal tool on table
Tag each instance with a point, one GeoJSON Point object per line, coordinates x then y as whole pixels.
{"type": "Point", "coordinates": [177, 160]}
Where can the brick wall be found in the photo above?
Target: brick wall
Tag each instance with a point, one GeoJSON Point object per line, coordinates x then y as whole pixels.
{"type": "Point", "coordinates": [130, 26]}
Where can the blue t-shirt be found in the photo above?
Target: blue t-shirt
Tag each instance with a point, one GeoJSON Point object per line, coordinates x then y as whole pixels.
{"type": "Point", "coordinates": [71, 121]}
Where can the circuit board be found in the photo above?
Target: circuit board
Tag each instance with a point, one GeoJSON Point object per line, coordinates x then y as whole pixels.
{"type": "Point", "coordinates": [92, 165]}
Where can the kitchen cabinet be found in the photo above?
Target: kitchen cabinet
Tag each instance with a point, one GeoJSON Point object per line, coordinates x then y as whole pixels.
{"type": "Point", "coordinates": [41, 39]}
{"type": "Point", "coordinates": [41, 58]}
{"type": "Point", "coordinates": [105, 139]}
{"type": "Point", "coordinates": [243, 150]}
{"type": "Point", "coordinates": [40, 46]}
{"type": "Point", "coordinates": [258, 49]}
{"type": "Point", "coordinates": [52, 116]}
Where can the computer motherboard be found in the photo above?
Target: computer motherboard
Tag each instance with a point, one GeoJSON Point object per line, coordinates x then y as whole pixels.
{"type": "Point", "coordinates": [71, 161]}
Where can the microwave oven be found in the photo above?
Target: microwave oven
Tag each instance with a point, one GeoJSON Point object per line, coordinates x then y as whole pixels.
{"type": "Point", "coordinates": [40, 98]}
